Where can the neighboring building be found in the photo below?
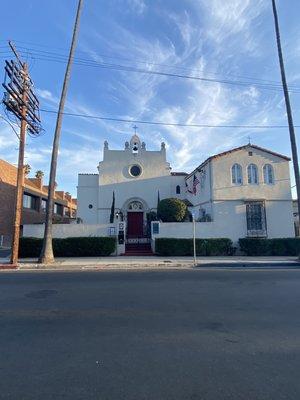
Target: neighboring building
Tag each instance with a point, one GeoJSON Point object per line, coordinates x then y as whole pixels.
{"type": "Point", "coordinates": [34, 202]}
{"type": "Point", "coordinates": [296, 217]}
{"type": "Point", "coordinates": [245, 191]}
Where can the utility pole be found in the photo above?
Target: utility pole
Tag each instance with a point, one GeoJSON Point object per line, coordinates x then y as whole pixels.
{"type": "Point", "coordinates": [46, 255]}
{"type": "Point", "coordinates": [21, 101]}
{"type": "Point", "coordinates": [288, 107]}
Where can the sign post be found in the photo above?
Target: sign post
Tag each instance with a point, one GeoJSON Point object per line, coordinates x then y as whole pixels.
{"type": "Point", "coordinates": [194, 237]}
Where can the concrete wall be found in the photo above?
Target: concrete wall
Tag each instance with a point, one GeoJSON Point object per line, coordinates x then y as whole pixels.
{"type": "Point", "coordinates": [67, 230]}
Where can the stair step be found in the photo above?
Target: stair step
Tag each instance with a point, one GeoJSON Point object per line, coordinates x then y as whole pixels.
{"type": "Point", "coordinates": [131, 254]}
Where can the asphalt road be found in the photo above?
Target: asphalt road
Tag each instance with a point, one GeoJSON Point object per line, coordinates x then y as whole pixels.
{"type": "Point", "coordinates": [138, 335]}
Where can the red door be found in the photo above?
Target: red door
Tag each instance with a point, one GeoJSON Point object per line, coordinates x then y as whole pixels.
{"type": "Point", "coordinates": [134, 224]}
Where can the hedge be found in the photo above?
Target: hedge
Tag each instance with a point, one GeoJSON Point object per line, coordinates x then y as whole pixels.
{"type": "Point", "coordinates": [270, 247]}
{"type": "Point", "coordinates": [184, 247]}
{"type": "Point", "coordinates": [69, 247]}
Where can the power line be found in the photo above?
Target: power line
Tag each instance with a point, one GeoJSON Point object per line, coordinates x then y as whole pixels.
{"type": "Point", "coordinates": [137, 121]}
{"type": "Point", "coordinates": [137, 61]}
{"type": "Point", "coordinates": [11, 125]}
{"type": "Point", "coordinates": [55, 57]}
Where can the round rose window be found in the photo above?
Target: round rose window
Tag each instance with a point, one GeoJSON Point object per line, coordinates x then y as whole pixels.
{"type": "Point", "coordinates": [135, 170]}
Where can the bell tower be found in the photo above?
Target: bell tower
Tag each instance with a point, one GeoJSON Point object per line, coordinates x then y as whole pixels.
{"type": "Point", "coordinates": [135, 144]}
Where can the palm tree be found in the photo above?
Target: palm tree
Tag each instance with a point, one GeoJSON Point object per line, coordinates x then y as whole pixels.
{"type": "Point", "coordinates": [288, 106]}
{"type": "Point", "coordinates": [27, 169]}
{"type": "Point", "coordinates": [39, 174]}
{"type": "Point", "coordinates": [47, 250]}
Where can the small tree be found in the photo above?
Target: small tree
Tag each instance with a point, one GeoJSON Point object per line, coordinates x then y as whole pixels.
{"type": "Point", "coordinates": [112, 210]}
{"type": "Point", "coordinates": [172, 210]}
{"type": "Point", "coordinates": [39, 174]}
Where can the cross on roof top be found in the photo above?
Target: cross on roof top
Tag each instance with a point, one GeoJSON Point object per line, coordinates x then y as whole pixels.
{"type": "Point", "coordinates": [135, 128]}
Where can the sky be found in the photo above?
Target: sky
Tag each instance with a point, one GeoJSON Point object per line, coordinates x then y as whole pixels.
{"type": "Point", "coordinates": [222, 40]}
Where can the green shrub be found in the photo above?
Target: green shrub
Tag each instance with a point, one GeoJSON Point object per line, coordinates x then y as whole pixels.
{"type": "Point", "coordinates": [172, 210]}
{"type": "Point", "coordinates": [30, 247]}
{"type": "Point", "coordinates": [270, 247]}
{"type": "Point", "coordinates": [184, 247]}
{"type": "Point", "coordinates": [69, 247]}
{"type": "Point", "coordinates": [218, 247]}
{"type": "Point", "coordinates": [254, 246]}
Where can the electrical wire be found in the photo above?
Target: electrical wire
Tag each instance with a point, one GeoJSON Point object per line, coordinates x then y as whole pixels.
{"type": "Point", "coordinates": [11, 125]}
{"type": "Point", "coordinates": [137, 61]}
{"type": "Point", "coordinates": [55, 57]}
{"type": "Point", "coordinates": [137, 121]}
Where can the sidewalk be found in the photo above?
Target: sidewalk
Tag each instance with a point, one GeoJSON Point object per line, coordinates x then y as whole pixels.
{"type": "Point", "coordinates": [122, 262]}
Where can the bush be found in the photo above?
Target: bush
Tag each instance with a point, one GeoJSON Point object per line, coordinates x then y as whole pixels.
{"type": "Point", "coordinates": [184, 247]}
{"type": "Point", "coordinates": [172, 210]}
{"type": "Point", "coordinates": [270, 247]}
{"type": "Point", "coordinates": [69, 247]}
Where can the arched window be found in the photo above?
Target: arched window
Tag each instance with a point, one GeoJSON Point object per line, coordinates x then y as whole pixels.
{"type": "Point", "coordinates": [252, 174]}
{"type": "Point", "coordinates": [177, 189]}
{"type": "Point", "coordinates": [268, 174]}
{"type": "Point", "coordinates": [236, 174]}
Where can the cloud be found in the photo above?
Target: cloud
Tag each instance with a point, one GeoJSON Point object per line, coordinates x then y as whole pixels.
{"type": "Point", "coordinates": [210, 39]}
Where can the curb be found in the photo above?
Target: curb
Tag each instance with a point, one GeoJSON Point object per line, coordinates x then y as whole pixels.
{"type": "Point", "coordinates": [158, 266]}
{"type": "Point", "coordinates": [8, 266]}
{"type": "Point", "coordinates": [282, 264]}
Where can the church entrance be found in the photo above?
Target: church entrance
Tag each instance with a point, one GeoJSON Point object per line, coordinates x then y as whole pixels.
{"type": "Point", "coordinates": [137, 242]}
{"type": "Point", "coordinates": [135, 224]}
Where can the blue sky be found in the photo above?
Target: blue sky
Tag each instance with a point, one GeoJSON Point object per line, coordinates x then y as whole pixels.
{"type": "Point", "coordinates": [219, 39]}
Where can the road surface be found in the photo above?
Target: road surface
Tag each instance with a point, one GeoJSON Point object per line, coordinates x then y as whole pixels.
{"type": "Point", "coordinates": [112, 335]}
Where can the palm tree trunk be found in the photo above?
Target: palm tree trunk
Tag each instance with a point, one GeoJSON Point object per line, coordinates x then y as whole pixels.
{"type": "Point", "coordinates": [47, 250]}
{"type": "Point", "coordinates": [288, 108]}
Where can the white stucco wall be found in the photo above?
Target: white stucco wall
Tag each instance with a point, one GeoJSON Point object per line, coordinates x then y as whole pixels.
{"type": "Point", "coordinates": [224, 189]}
{"type": "Point", "coordinates": [230, 222]}
{"type": "Point", "coordinates": [146, 191]}
{"type": "Point", "coordinates": [100, 197]}
{"type": "Point", "coordinates": [116, 164]}
{"type": "Point", "coordinates": [280, 221]}
{"type": "Point", "coordinates": [87, 195]}
{"type": "Point", "coordinates": [95, 191]}
{"type": "Point", "coordinates": [67, 230]}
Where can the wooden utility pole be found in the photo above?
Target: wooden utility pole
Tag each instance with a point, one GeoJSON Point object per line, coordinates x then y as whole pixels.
{"type": "Point", "coordinates": [46, 255]}
{"type": "Point", "coordinates": [21, 101]}
{"type": "Point", "coordinates": [20, 175]}
{"type": "Point", "coordinates": [288, 108]}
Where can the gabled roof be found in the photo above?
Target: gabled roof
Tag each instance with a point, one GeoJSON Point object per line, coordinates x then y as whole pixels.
{"type": "Point", "coordinates": [247, 146]}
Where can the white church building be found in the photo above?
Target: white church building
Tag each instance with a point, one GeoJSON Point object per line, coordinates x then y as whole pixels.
{"type": "Point", "coordinates": [245, 191]}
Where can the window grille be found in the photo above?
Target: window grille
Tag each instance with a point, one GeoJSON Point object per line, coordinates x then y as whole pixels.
{"type": "Point", "coordinates": [256, 219]}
